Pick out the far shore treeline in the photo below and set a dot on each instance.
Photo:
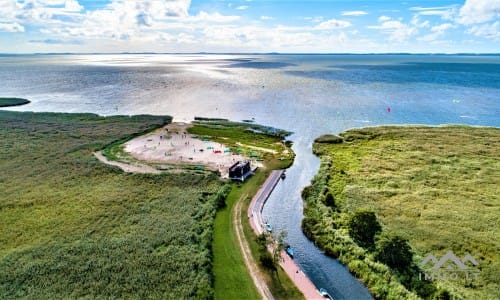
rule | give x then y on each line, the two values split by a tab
5	102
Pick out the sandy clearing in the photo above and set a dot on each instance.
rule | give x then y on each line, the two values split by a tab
173	145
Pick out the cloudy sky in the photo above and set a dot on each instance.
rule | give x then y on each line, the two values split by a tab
320	26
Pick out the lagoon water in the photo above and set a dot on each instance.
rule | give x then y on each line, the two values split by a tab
307	94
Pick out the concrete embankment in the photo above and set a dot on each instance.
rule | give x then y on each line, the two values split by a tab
293	271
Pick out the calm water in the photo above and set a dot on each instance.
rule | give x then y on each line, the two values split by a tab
307	94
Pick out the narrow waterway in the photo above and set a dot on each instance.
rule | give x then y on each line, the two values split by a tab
283	210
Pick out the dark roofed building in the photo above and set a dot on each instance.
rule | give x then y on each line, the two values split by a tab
240	171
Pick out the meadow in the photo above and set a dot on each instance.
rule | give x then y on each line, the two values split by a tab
435	187
72	227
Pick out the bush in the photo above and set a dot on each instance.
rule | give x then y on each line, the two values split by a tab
267	260
394	251
330	200
363	226
329	139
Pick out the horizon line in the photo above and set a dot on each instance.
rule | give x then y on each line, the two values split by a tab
255	53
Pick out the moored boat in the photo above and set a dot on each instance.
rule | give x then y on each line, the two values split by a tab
289	250
269	228
325	293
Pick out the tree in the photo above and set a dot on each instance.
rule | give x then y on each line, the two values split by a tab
394	251
363	226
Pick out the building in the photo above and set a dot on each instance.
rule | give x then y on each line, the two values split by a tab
240	171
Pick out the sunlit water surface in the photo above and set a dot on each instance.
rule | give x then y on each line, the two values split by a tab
307	94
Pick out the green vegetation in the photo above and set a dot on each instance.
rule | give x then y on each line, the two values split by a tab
433	190
362	227
4	102
256	141
72	227
232	280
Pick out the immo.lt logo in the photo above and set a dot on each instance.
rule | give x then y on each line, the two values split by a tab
449	267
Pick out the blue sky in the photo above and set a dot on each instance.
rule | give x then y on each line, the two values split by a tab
325	26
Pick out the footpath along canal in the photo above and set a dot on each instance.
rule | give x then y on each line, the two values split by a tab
300	279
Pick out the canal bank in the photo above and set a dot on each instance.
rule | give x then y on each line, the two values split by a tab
283	209
293	271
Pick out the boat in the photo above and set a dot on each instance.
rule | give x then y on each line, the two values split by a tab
325	293
283	175
268	227
289	250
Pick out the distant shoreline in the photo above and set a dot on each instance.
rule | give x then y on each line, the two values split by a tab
7	102
246	53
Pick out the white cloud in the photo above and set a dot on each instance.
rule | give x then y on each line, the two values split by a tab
333	24
442	27
266	18
214	17
383	18
415	21
489	31
11	27
397	31
478	11
445	12
242	7
436	32
354	13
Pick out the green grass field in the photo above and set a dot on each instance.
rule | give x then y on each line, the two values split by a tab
71	227
436	186
4	102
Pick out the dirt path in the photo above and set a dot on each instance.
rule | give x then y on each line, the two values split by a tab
144	169
247	255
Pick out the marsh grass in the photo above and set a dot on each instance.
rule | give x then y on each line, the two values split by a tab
436	186
72	227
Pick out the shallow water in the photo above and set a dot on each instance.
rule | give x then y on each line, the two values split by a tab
307	94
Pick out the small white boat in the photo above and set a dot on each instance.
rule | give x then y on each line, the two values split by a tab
269	228
323	292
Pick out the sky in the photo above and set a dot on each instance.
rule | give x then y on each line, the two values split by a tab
249	26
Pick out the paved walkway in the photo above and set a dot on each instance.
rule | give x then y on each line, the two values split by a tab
250	263
293	271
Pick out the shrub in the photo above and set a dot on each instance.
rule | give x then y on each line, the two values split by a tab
267	261
394	251
363	226
329	139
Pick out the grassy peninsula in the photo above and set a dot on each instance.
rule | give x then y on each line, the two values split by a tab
423	189
5	102
73	227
